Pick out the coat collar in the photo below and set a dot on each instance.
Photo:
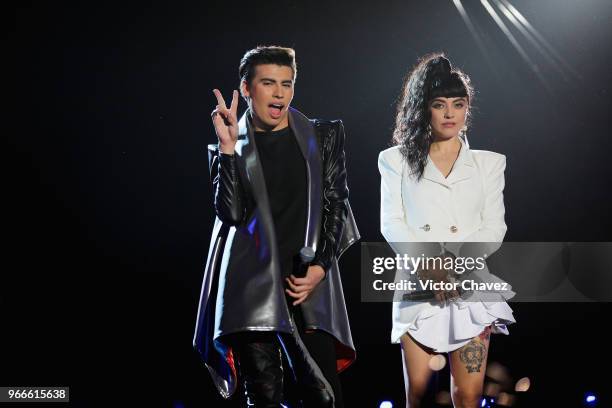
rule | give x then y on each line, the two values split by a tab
462	169
304	133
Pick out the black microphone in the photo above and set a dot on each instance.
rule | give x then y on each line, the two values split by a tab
307	254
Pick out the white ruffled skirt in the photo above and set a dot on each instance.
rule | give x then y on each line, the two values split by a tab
445	327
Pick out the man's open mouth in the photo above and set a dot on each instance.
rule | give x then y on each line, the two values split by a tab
275	109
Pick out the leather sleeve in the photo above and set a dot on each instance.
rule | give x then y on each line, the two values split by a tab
335	192
229	197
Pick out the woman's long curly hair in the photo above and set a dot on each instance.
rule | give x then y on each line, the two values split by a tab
432	77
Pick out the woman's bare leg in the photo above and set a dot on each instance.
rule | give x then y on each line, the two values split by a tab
417	372
468	365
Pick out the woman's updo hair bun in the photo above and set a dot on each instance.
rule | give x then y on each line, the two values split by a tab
440	67
441	80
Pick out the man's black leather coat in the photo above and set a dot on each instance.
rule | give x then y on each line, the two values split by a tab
243	289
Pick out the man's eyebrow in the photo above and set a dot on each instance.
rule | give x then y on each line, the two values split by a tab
274	80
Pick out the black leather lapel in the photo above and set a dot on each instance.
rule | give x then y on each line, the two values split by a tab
304	132
255	184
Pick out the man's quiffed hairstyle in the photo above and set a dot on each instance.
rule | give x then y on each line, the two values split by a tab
266	55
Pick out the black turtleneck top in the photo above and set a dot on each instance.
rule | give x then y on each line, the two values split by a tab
284	170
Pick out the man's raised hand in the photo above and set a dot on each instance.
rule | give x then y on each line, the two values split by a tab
226	122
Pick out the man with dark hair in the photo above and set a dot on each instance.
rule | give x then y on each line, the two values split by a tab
272	284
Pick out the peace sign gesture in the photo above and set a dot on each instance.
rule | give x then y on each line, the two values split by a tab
226	122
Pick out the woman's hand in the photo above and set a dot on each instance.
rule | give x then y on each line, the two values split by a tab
301	288
439	275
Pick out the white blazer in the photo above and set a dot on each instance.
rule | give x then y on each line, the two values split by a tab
467	206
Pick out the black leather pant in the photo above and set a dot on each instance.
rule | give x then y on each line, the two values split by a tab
261	367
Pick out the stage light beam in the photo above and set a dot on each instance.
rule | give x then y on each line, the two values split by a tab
539	37
517	46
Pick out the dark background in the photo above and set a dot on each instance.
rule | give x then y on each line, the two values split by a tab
109	210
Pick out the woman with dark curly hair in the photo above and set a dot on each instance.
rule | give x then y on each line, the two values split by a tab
436	189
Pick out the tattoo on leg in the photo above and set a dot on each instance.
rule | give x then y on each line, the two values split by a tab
473	355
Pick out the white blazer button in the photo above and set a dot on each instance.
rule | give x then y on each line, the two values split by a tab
453	229
426	227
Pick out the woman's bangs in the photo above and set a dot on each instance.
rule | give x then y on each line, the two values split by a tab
451	87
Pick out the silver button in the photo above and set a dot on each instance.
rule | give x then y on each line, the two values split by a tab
453	229
426	227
